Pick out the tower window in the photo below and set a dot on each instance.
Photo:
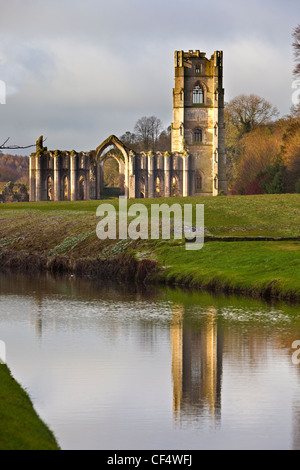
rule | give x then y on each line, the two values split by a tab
198	180
198	94
197	68
197	135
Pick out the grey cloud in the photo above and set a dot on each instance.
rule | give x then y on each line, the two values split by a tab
82	70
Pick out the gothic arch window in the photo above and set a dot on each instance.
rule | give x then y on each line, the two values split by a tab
198	94
216	182
49	189
81	192
199	180
158	187
142	188
66	188
175	186
198	135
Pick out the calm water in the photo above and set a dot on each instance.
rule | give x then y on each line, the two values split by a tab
118	368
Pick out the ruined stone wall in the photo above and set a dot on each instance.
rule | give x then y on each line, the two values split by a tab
62	175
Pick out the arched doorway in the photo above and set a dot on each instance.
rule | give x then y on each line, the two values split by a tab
112	171
118	152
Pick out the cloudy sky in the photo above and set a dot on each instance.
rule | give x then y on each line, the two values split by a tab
77	71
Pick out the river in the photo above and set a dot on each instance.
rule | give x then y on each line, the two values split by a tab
117	367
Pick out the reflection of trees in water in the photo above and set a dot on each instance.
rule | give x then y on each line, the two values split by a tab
196	366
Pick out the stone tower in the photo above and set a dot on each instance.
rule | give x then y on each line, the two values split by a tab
198	119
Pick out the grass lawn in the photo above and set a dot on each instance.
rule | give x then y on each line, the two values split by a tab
260	215
20	426
67	229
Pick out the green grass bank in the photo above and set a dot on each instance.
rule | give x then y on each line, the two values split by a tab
61	237
20	426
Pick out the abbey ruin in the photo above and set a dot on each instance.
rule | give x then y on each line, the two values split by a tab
195	164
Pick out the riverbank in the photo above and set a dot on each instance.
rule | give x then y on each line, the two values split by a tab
20	426
61	237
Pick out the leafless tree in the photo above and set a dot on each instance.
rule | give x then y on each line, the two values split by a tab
148	130
14	147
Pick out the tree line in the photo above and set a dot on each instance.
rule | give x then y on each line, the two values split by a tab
263	153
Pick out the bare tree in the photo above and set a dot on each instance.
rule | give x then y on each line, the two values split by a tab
148	130
14	147
296	46
129	139
245	112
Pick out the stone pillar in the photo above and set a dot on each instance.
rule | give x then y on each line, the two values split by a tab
87	186
185	187
151	182
127	178
73	191
98	180
31	178
130	171
38	179
57	180
167	171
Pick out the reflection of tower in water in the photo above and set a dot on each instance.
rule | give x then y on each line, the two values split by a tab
36	316
196	366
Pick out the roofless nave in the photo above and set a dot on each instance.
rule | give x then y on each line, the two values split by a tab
196	164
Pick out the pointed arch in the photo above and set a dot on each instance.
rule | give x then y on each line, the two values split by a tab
175	189
197	135
81	188
198	93
123	162
112	140
49	188
66	188
199	180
